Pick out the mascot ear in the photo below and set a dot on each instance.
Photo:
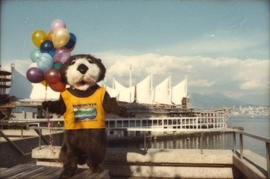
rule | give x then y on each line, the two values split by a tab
63	72
102	70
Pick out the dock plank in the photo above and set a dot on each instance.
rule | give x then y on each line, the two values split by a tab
87	174
13	171
48	173
32	171
22	173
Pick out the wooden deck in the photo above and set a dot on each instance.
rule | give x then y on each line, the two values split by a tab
28	171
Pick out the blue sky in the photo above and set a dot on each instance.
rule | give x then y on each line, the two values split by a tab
229	33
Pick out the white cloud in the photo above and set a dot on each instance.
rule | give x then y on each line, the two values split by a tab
201	83
249	85
229	76
204	72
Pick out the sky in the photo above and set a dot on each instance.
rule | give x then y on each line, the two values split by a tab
220	46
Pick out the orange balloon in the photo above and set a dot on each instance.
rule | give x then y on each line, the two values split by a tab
49	36
38	37
72	48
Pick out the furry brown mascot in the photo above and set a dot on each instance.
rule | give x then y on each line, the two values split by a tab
84	105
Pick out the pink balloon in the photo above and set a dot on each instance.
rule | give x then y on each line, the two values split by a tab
56	24
61	55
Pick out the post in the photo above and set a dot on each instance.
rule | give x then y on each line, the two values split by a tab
201	143
268	159
241	145
234	142
21	131
144	141
39	139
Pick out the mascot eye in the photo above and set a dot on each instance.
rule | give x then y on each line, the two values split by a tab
72	62
90	61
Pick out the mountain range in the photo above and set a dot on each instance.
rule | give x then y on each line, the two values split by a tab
215	100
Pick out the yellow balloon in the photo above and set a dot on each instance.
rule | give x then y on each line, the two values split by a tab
44	83
60	37
38	37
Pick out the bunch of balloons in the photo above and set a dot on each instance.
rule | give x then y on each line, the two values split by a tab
53	50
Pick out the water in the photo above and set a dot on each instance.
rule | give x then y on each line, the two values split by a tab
258	126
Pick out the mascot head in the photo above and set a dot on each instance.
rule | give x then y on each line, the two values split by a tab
82	71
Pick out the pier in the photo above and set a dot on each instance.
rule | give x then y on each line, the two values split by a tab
163	162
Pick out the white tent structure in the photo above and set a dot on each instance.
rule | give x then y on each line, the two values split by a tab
162	94
112	92
144	91
39	93
124	94
179	91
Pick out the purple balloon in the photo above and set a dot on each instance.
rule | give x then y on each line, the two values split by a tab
61	55
56	24
35	75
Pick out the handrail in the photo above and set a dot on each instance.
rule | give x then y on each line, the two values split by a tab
267	146
14	145
254	136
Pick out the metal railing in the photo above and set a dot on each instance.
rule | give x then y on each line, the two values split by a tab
148	138
241	146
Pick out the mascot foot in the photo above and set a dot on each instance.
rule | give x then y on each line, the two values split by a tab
66	174
97	169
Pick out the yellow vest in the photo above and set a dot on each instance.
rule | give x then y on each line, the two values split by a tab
84	113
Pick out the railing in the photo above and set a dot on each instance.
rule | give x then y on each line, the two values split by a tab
241	146
147	138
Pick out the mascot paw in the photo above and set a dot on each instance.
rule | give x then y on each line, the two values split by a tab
46	104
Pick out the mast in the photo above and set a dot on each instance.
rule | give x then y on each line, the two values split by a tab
130	82
170	89
130	76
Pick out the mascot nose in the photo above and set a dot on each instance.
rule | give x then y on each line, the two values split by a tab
82	68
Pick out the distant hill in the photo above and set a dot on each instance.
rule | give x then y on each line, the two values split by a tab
213	101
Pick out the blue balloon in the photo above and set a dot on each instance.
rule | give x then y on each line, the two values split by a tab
71	42
46	46
51	52
35	54
44	62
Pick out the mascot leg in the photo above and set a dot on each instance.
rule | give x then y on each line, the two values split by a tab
69	158
97	150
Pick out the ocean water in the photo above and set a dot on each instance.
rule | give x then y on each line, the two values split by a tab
259	126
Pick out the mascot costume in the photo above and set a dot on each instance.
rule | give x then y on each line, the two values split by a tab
84	106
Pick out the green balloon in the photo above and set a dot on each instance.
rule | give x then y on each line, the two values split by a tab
57	66
35	54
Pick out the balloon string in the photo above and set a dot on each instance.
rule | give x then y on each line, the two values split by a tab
49	124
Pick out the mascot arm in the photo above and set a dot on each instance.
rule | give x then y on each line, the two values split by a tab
110	105
57	107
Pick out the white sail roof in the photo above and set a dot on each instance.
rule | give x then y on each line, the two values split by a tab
112	92
144	91
163	92
39	92
179	91
124	94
